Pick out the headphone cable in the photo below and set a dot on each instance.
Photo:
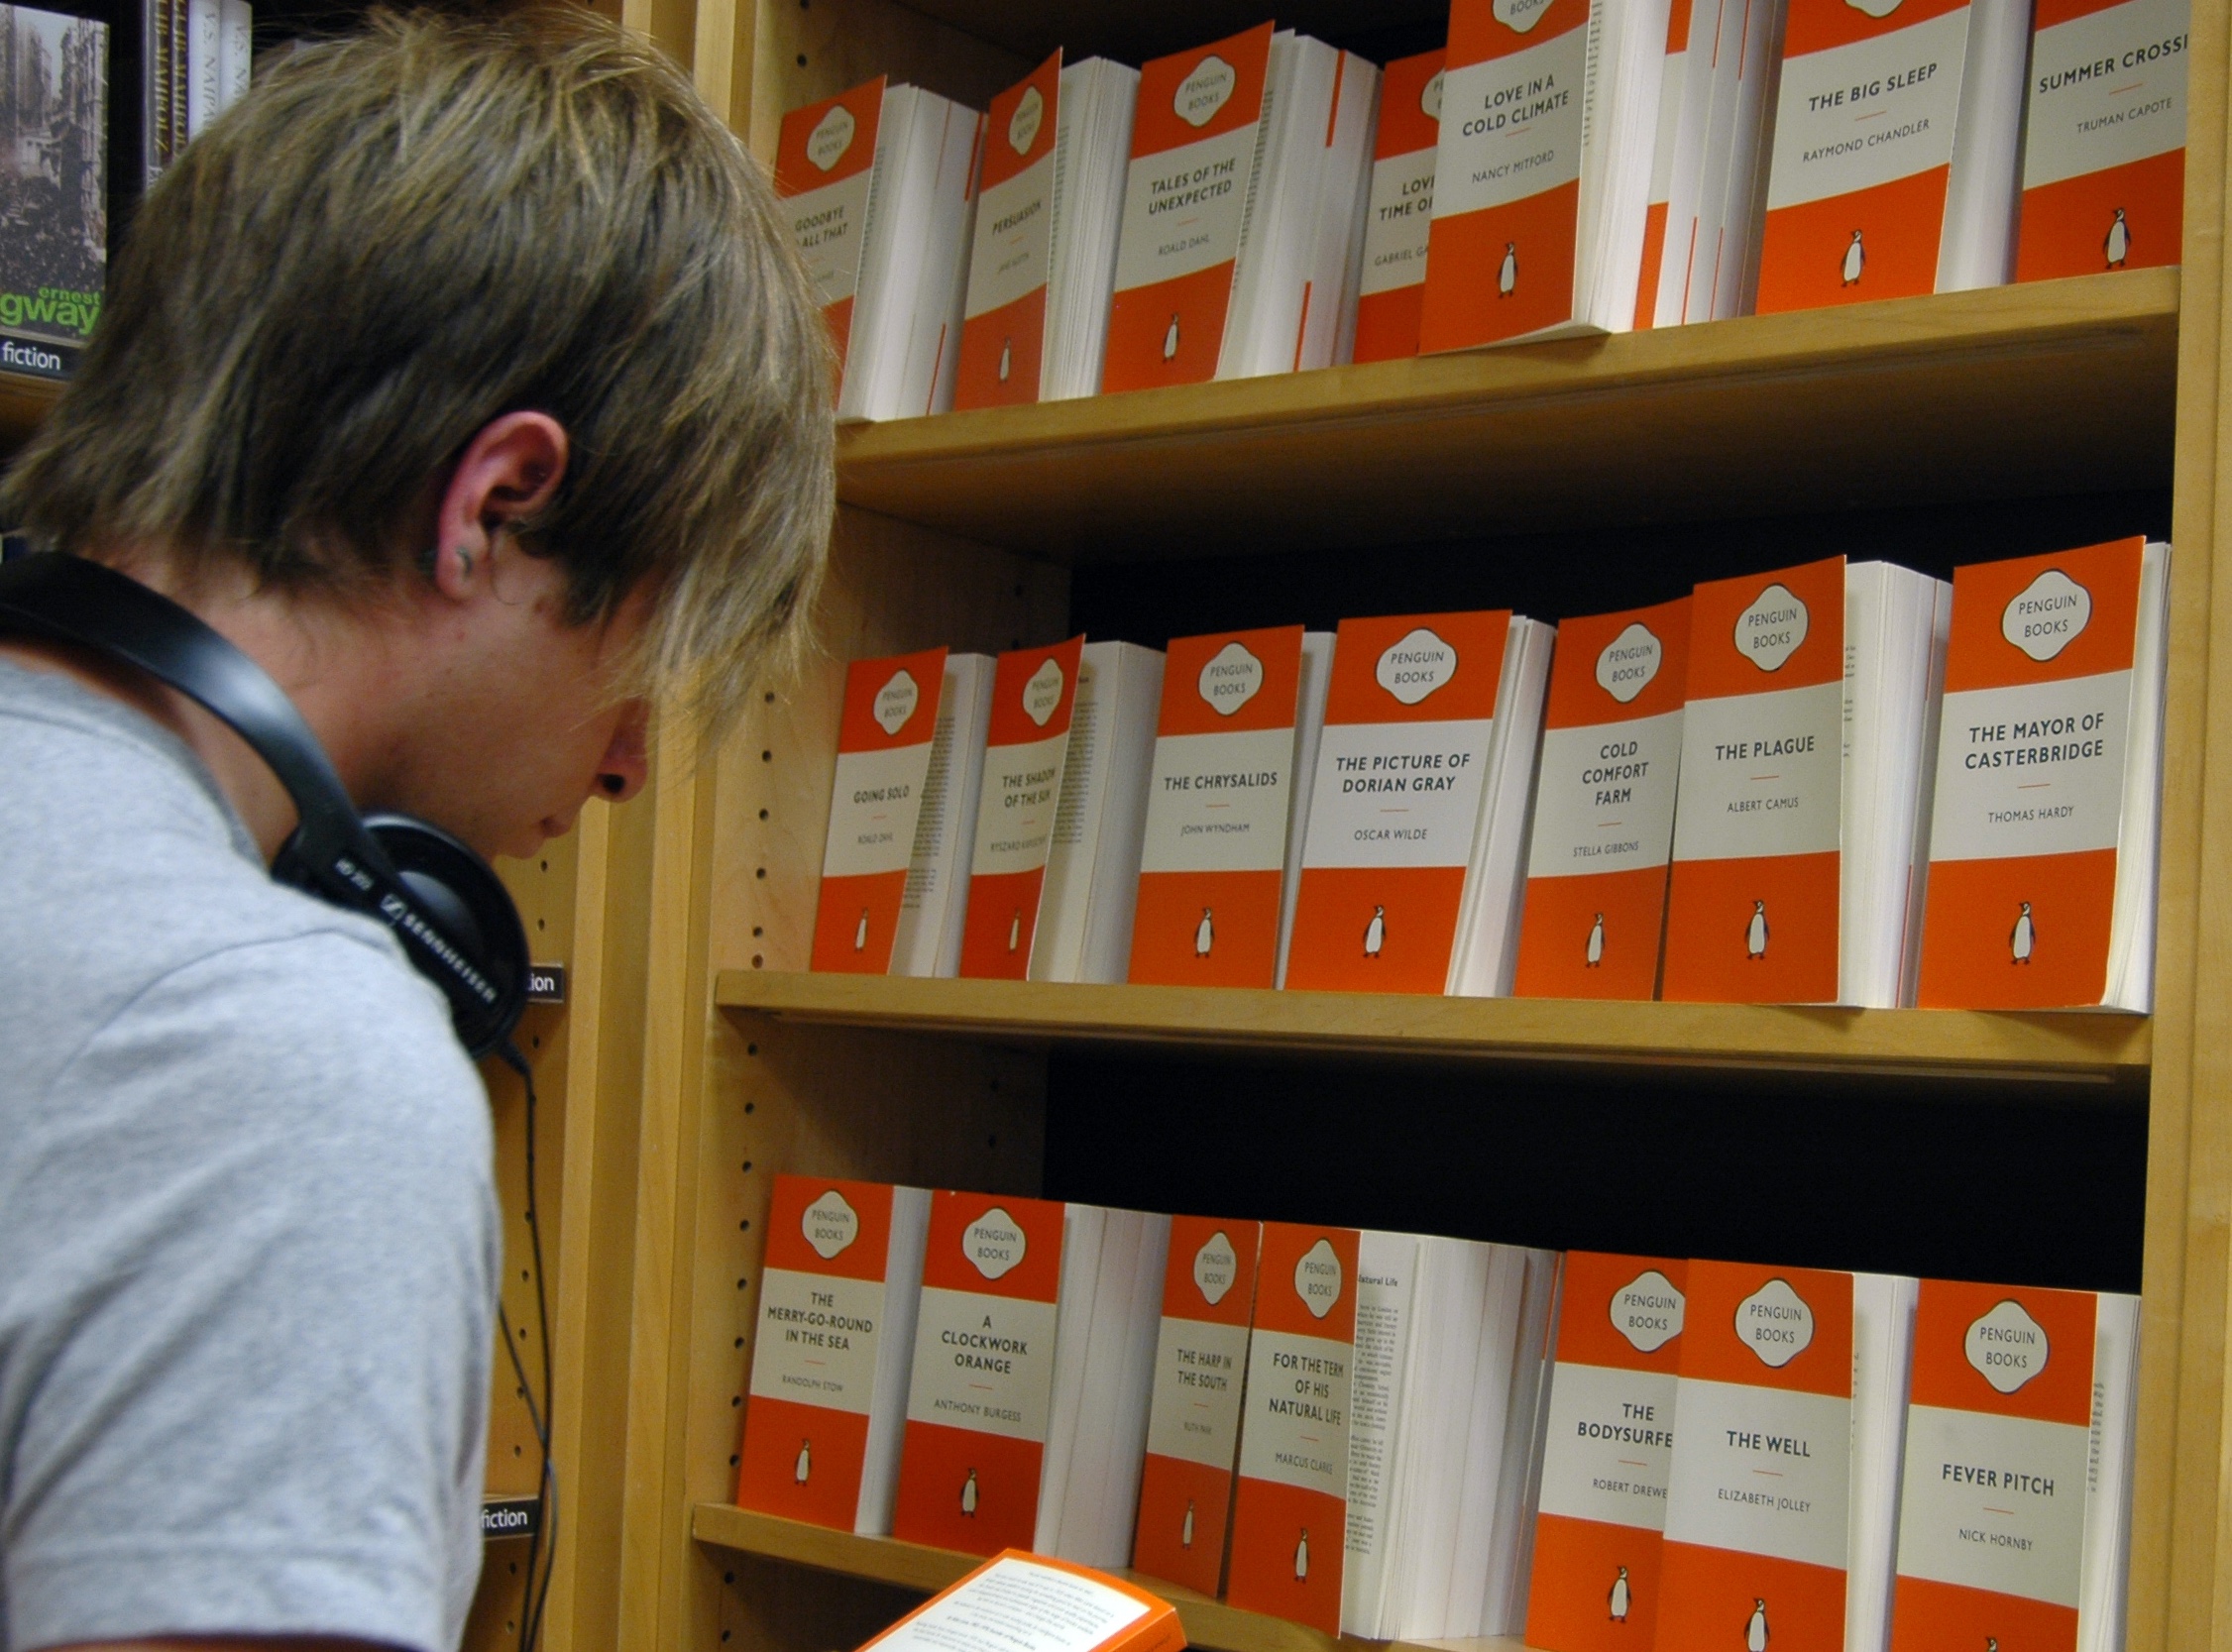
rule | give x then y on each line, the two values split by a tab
543	1545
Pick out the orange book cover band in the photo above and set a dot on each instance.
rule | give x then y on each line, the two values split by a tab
1021	1599
1402	207
826	151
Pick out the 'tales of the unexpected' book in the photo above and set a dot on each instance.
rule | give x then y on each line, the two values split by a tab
1027	743
1217	811
1194	1428
1289	1518
829	1362
1603	805
1608	1450
884	739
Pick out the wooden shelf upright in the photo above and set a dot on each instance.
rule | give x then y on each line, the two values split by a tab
722	1064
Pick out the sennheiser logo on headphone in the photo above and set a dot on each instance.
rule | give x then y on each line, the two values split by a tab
397	911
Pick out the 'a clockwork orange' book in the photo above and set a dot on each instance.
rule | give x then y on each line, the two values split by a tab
2104	138
884	737
830	1361
2000	1466
981	1394
1863	151
1017	1600
1027	742
1218	807
1193	1426
1401	765
1194	154
1603	805
1400	208
1753	900
1606	1453
2042	838
1290	1516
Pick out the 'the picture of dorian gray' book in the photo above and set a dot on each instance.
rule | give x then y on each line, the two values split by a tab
54	202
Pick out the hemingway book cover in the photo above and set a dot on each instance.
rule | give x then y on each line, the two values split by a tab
53	188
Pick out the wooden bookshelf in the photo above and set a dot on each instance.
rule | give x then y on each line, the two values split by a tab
2056	387
23	401
1210	1625
2074	1048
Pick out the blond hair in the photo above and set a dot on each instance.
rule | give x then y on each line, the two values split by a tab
401	235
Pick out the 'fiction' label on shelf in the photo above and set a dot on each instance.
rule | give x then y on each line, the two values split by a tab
884	740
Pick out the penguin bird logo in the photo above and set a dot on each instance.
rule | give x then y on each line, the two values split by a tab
1618	1600
1755	1627
1185	1531
1007	357
1855	260
860	932
1755	931
2023	936
1594	956
2117	245
1376	933
969	1496
805	1469
1507	273
1204	934
1171	338
1015	930
1301	1556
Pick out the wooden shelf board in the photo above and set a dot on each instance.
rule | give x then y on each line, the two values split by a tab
2066	1047
2045	389
23	401
1208	1624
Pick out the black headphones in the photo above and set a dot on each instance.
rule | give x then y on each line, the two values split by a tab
446	905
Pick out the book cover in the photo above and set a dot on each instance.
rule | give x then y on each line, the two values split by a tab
1027	742
825	162
1004	326
1217	808
1193	1427
2104	138
1863	144
1664	148
1399	210
53	188
1400	766
983	1387
1756	1506
1606	1453
1753	900
1603	805
823	1318
1185	199
2029	806
884	737
1992	1518
1501	260
1290	1510
1024	1600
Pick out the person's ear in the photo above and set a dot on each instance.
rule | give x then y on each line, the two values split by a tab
508	472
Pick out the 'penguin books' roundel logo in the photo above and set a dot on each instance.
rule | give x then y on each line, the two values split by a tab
830	137
1429	98
1775	1323
993	1243
1629	663
2007	1347
1874	8
1215	1266
2046	616
1416	666
1769	631
1206	90
1648	1312
1231	678
1043	692
1317	1280
830	1224
1519	16
896	701
1022	125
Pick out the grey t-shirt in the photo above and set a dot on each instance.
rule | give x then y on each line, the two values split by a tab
249	1239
